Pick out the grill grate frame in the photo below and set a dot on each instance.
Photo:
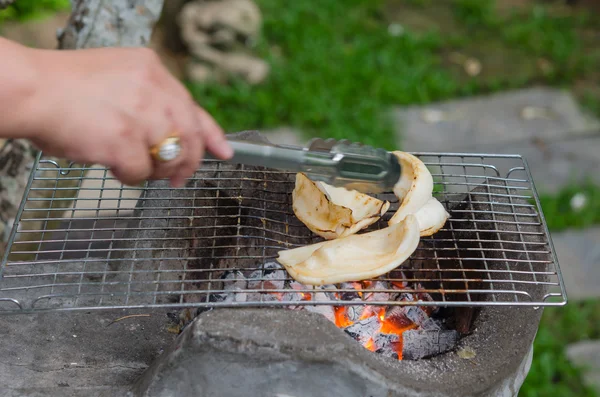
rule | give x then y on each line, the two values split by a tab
495	250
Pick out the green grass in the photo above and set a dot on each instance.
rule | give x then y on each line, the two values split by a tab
24	10
561	215
336	69
551	374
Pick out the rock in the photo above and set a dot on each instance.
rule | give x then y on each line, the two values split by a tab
5	3
271	352
586	354
559	141
100	190
219	36
579	258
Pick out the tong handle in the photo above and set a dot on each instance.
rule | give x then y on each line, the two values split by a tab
338	163
278	157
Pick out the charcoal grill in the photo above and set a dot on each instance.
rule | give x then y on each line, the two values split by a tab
177	246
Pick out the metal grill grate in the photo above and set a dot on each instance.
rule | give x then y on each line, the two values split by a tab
195	246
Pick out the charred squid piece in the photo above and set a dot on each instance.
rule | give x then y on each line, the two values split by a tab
333	212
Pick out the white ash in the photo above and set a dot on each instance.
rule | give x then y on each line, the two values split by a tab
418	344
272	277
416	314
234	285
326	310
430	337
431	324
353	294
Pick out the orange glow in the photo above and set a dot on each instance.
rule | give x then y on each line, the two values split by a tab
399	284
396	324
341	320
370	344
305	296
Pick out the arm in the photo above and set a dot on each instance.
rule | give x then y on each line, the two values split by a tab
18	82
106	106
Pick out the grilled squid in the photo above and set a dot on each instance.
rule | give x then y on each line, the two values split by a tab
415	192
355	257
333	212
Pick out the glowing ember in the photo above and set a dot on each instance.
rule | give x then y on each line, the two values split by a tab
377	328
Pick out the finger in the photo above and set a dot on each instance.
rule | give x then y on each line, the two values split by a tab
195	146
180	117
215	140
134	166
214	137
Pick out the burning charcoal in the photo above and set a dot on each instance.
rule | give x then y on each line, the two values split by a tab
354	313
265	297
267	269
398	279
350	295
378	296
396	319
406	296
291	296
234	285
272	278
419	344
388	352
325	310
425	297
301	287
385	341
233	280
330	291
363	330
416	314
431	325
297	294
236	297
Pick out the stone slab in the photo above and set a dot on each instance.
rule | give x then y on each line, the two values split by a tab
560	145
586	354
100	191
262	352
78	353
578	253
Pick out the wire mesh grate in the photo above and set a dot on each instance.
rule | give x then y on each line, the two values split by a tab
84	241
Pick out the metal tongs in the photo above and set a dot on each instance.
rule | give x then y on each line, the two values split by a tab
339	163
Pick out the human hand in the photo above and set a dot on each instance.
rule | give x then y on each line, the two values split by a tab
109	106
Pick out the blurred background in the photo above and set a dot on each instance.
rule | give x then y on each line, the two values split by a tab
512	76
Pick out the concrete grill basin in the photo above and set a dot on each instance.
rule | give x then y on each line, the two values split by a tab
457	319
